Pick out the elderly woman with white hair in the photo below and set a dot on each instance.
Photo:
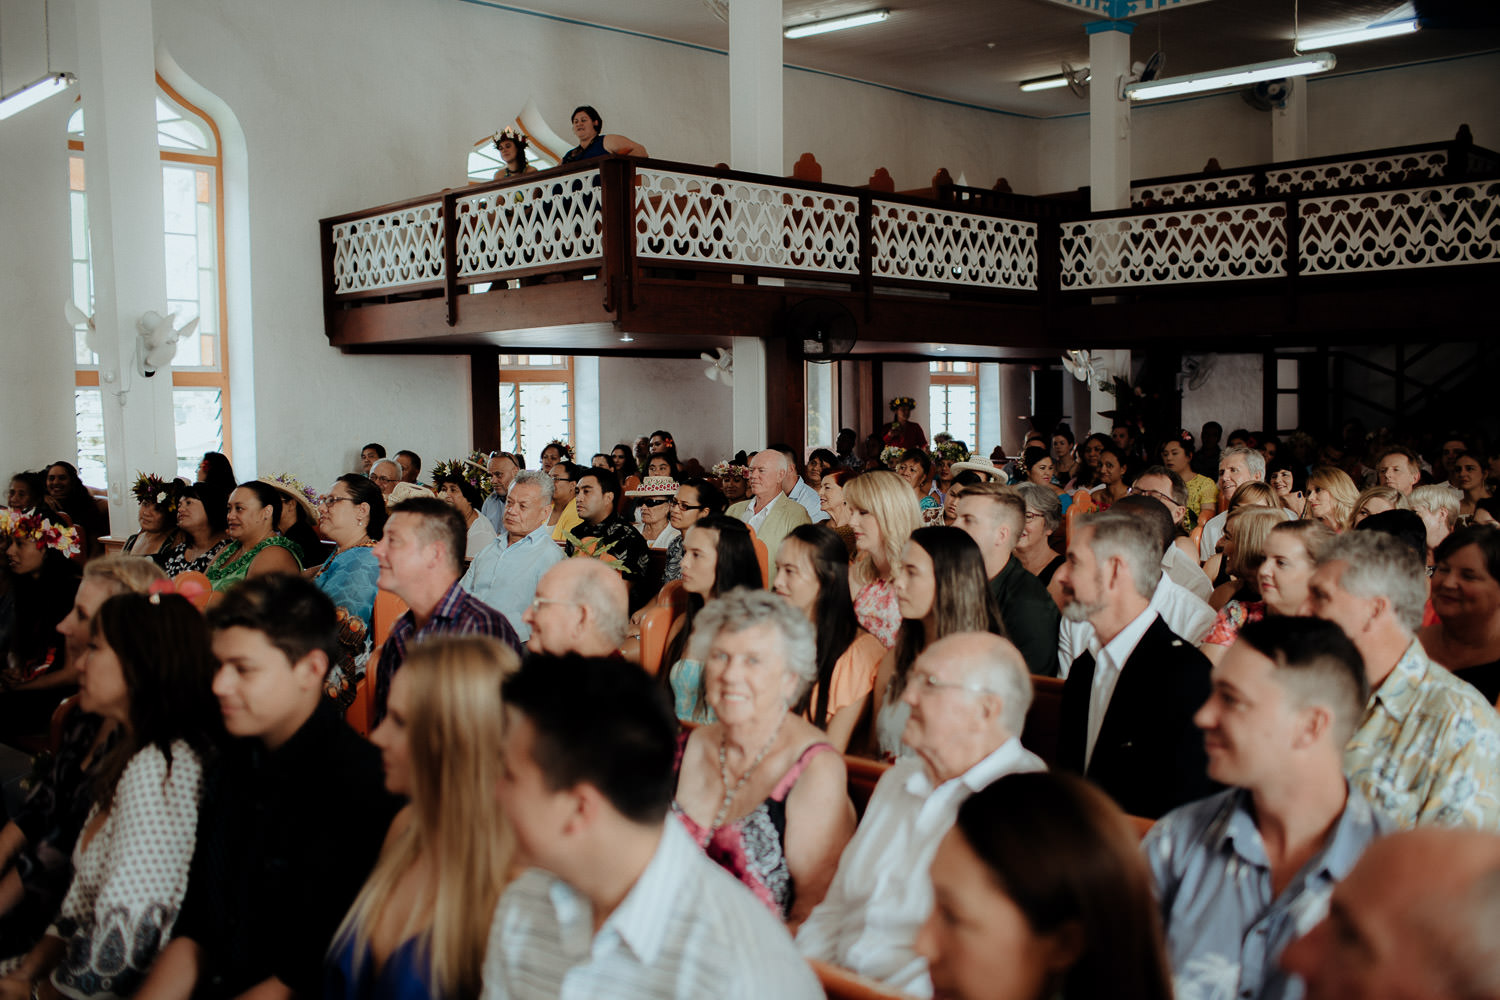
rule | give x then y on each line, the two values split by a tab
761	789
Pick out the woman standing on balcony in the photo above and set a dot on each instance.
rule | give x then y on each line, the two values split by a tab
592	142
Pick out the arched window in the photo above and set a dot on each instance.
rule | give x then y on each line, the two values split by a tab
193	232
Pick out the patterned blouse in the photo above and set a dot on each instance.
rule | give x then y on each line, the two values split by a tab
349	579
233	564
1232	617
130	877
752	848
876	610
1428	750
1202	494
174	559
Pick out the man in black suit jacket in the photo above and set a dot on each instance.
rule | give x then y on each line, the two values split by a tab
1128	701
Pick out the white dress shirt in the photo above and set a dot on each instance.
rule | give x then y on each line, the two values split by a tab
1185	613
757	518
1213	530
1109	660
687	929
882	894
810	501
1186	573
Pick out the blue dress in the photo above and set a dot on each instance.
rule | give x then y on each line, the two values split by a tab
403	977
349	579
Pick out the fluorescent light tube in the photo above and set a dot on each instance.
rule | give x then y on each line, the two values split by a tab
836	23
1045	83
35	93
1234	76
1366	34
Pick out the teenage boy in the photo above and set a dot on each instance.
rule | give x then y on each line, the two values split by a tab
294	815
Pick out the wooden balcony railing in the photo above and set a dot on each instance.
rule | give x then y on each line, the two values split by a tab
635	221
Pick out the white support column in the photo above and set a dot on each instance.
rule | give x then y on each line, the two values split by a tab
1109	116
117	79
749	427
755	145
1289	123
755	86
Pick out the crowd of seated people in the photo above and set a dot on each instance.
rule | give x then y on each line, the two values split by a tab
1278	671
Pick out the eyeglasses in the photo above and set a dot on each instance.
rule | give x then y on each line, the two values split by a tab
1157	494
537	603
655	503
560	479
382	479
1032	515
687	506
329	501
925	682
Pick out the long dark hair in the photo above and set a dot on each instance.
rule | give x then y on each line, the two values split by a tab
1063	853
166	656
735	565
219	473
961	598
833	611
628	467
78	503
215	503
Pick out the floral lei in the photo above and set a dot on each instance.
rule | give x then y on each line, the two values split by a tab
153	489
472	470
950	451
722	470
36	528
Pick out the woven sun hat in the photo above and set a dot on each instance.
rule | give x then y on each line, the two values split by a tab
983	466
405	491
289	486
655	488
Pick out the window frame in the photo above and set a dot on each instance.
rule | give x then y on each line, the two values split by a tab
519	374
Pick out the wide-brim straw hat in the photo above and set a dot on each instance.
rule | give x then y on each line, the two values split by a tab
405	491
295	494
983	466
655	487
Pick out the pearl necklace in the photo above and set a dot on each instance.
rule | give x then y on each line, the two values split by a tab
730	793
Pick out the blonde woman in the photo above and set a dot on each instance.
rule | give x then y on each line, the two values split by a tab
883	513
419	927
1376	500
1331	496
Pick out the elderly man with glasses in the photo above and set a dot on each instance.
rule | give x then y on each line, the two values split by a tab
968	694
385	474
506	573
581	606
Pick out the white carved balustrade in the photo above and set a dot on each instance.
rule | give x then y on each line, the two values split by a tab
1193	190
704	219
547	220
401	247
923	243
1410	167
1232	243
1395	230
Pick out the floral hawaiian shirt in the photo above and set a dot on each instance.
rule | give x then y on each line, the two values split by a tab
1428	750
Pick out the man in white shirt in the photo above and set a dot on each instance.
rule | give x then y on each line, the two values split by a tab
1161	483
506	572
1185	613
770	513
621	901
1130	695
793	486
968	695
1237	466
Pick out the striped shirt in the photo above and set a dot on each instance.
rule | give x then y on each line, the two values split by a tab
687	929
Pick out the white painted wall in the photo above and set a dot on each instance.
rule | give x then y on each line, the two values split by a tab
638	396
1232	396
36	377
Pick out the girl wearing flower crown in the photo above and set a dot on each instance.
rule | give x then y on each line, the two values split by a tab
157	514
510	143
902	432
